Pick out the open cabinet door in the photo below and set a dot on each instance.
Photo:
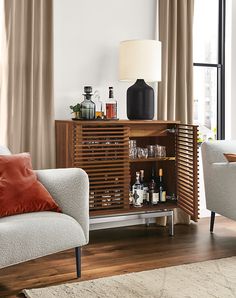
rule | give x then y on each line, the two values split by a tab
187	169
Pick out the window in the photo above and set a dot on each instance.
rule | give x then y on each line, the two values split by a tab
209	68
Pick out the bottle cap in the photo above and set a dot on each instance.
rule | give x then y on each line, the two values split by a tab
160	172
88	89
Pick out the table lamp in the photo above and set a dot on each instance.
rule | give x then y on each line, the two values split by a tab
140	60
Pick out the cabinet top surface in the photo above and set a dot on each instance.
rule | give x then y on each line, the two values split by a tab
127	122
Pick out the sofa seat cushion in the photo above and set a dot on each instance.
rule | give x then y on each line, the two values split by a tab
32	235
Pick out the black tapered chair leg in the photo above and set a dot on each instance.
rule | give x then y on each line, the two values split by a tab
78	261
212	221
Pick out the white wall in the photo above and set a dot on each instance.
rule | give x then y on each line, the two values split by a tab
86	40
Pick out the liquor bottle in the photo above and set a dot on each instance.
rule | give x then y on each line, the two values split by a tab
144	187
87	106
161	189
153	193
151	189
137	191
98	105
111	105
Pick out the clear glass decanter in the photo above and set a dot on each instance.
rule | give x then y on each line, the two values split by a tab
87	106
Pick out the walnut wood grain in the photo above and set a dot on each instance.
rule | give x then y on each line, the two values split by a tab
187	169
101	148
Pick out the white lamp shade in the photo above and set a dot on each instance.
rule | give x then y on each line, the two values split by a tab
140	59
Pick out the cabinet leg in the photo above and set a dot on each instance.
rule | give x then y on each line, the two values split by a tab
147	222
171	223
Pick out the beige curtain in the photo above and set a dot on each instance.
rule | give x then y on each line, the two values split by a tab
175	91
27	80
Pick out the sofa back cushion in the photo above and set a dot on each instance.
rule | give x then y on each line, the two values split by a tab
20	190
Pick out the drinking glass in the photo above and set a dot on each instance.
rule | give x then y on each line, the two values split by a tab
160	151
142	152
139	152
145	152
151	150
133	153
132	149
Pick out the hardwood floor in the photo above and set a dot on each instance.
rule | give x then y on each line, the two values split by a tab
122	250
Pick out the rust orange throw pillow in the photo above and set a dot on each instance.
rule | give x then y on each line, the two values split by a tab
231	157
20	191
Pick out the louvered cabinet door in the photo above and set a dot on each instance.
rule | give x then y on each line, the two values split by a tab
103	152
187	169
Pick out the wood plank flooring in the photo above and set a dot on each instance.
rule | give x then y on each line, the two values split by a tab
122	250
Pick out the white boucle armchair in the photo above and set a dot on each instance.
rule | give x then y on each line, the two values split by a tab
32	235
219	179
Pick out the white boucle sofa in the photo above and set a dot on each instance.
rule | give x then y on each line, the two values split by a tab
219	179
32	235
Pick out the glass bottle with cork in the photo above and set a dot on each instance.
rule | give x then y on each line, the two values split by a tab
144	187
87	106
137	192
153	192
111	105
161	188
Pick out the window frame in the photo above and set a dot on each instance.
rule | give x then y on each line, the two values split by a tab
220	123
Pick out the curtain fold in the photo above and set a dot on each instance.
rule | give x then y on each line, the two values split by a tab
27	80
175	91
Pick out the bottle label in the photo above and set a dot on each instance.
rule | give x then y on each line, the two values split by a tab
155	198
162	196
138	197
111	110
145	194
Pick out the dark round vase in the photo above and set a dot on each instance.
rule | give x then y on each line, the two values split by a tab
140	101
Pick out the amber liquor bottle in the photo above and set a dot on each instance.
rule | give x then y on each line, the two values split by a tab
111	105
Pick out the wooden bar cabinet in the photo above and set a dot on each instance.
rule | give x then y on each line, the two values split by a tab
101	148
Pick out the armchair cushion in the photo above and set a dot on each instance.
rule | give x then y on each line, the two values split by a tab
20	191
31	235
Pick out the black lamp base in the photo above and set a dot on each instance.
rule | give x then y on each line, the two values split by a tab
140	101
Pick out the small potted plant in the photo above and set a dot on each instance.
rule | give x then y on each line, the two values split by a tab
75	111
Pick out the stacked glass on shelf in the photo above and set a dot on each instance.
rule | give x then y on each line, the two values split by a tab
150	151
94	109
152	193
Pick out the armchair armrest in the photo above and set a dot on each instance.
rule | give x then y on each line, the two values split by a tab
70	189
220	188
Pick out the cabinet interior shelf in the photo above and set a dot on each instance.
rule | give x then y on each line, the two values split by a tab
149	159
